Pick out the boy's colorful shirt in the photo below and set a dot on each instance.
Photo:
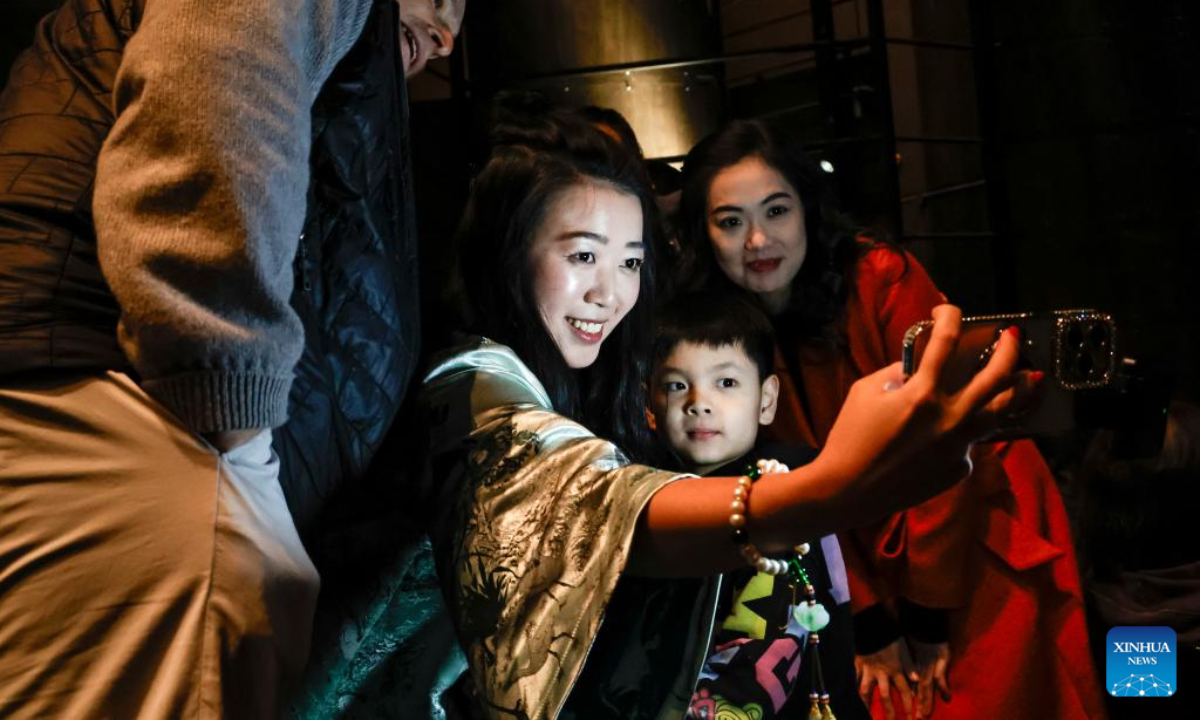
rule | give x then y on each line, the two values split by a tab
757	664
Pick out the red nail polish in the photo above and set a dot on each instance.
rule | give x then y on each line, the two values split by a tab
1014	331
1037	376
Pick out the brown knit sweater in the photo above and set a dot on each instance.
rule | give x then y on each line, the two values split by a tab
200	197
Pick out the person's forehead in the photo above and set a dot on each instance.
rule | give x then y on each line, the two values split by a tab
694	355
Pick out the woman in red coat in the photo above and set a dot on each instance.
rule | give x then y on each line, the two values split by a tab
973	596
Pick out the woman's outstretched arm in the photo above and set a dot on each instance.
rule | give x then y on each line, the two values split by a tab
893	445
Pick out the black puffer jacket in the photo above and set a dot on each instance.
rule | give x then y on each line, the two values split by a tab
356	276
356	270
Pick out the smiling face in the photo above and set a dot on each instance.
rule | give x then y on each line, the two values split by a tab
427	31
708	403
756	225
586	258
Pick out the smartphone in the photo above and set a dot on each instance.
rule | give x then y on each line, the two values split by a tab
1076	349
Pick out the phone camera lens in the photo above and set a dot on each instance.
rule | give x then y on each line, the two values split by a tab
1075	336
1098	335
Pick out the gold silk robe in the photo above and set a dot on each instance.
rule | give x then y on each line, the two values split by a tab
532	519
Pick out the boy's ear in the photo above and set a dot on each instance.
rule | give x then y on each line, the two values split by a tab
769	401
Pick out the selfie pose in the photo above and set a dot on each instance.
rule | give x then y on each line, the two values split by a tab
536	509
971	601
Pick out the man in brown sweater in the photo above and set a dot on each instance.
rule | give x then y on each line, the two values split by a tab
153	173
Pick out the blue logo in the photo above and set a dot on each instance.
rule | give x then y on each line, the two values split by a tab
1140	662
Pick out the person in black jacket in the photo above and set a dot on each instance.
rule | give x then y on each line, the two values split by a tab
154	159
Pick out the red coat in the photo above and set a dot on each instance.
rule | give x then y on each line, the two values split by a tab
995	550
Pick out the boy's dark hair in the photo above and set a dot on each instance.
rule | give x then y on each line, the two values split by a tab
715	319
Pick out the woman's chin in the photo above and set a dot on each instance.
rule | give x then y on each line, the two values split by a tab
582	364
764	285
579	358
758	283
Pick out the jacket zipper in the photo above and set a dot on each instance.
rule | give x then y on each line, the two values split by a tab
302	251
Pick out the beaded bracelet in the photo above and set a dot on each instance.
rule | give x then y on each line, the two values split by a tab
808	613
737	520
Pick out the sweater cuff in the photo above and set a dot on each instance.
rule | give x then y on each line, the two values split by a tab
929	625
216	401
874	629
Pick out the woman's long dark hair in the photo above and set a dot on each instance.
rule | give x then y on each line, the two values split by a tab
535	157
819	289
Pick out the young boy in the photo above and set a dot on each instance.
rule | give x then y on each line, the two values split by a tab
713	386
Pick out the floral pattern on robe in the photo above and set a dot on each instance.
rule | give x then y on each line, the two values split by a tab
528	519
535	519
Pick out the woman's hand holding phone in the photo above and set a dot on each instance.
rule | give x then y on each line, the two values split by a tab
897	443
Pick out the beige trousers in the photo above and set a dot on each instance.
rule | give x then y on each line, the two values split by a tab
142	573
